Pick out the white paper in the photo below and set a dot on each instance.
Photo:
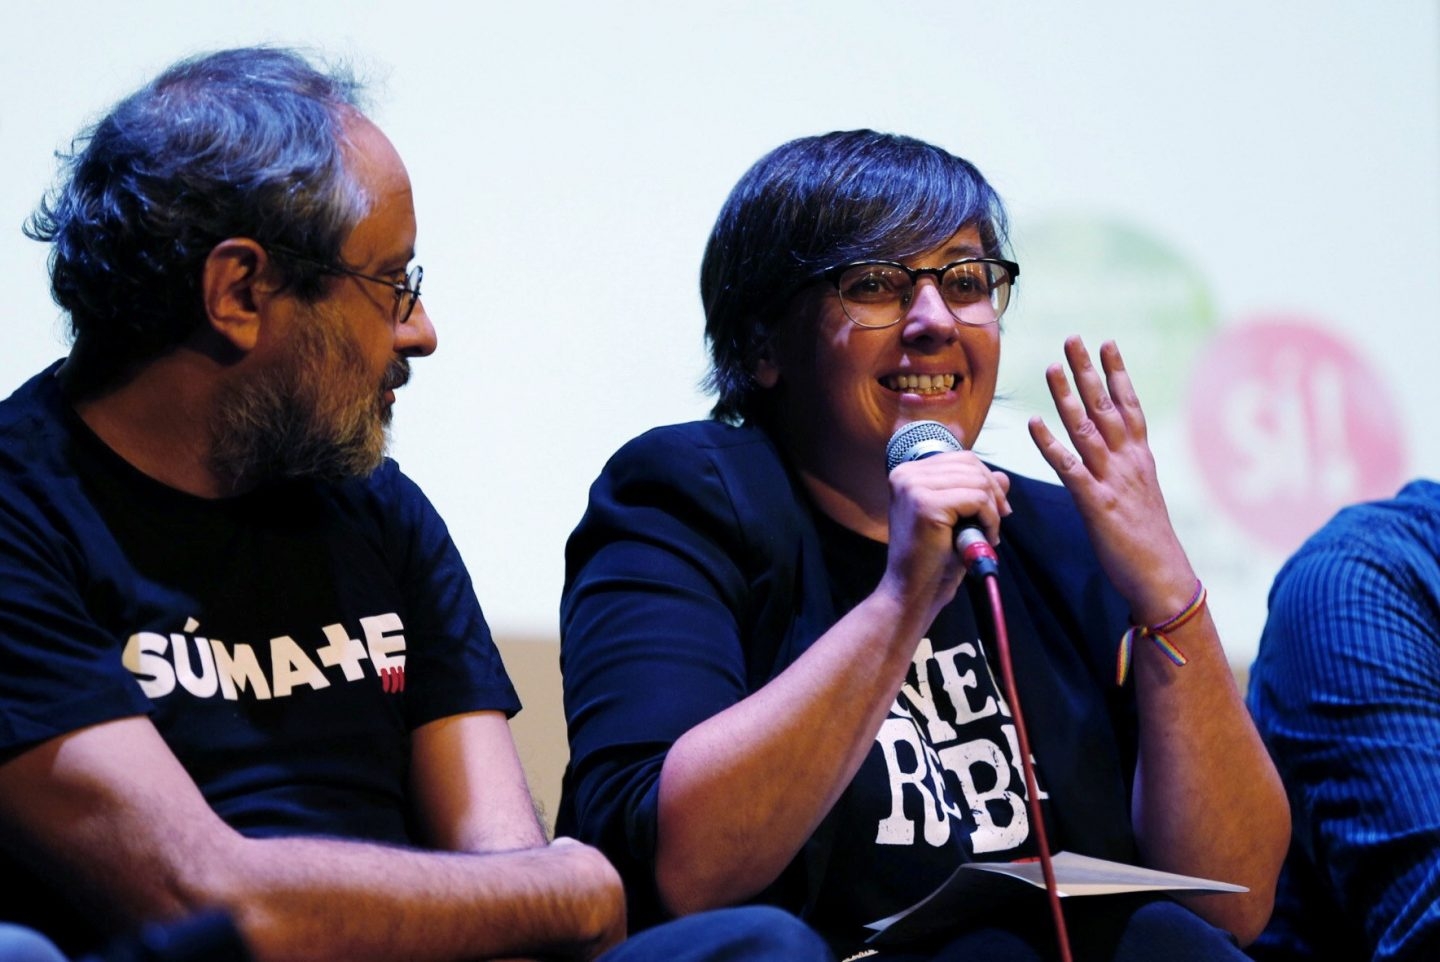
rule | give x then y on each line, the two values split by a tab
1083	875
977	888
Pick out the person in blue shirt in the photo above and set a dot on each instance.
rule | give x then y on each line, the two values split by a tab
1344	691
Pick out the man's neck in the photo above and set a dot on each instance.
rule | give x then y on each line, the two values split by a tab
159	422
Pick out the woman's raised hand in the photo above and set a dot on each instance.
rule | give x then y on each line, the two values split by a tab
1111	475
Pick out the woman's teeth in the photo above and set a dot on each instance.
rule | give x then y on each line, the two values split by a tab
920	383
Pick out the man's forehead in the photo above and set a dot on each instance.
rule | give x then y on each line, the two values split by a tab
385	237
372	157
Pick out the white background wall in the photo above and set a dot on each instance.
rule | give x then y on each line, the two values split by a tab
1180	176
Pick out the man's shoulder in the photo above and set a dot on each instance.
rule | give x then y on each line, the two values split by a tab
1385	549
1407	524
34	404
1414	512
385	481
34	426
386	495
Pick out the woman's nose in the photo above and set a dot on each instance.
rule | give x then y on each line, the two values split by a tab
928	317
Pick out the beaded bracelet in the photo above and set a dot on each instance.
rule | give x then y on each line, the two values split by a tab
1156	633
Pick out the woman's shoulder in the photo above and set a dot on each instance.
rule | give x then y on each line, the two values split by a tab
698	483
696	436
1044	527
681	451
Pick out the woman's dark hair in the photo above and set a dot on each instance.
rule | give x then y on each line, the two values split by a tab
239	143
809	205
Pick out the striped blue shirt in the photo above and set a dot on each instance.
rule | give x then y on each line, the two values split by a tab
1346	692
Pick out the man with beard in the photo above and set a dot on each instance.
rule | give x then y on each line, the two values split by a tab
242	666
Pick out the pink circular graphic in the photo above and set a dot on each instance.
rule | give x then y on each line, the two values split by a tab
1289	424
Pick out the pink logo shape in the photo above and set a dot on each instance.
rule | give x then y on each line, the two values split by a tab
1289	424
392	680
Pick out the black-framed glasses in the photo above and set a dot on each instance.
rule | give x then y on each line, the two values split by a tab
407	292
878	293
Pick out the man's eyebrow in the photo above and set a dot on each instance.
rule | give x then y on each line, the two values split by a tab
399	262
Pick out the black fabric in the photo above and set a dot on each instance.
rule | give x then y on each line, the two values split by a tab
946	765
698	573
285	643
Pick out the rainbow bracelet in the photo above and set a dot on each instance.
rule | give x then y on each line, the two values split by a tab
1156	633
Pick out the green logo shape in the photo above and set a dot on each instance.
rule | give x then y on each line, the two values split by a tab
1103	279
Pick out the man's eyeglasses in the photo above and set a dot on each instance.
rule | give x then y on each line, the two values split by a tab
878	293
407	292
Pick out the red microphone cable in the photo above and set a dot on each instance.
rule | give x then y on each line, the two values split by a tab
1027	767
914	442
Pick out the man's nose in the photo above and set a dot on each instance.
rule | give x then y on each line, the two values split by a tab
416	337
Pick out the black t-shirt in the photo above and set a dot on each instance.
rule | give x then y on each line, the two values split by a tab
285	642
699	572
943	784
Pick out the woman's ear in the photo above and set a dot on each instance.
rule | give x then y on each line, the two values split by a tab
766	367
767	373
235	287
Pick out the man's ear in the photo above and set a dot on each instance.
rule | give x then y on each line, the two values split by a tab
236	286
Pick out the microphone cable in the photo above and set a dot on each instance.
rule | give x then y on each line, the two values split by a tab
914	442
1027	767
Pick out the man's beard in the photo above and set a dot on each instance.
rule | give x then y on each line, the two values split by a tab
315	415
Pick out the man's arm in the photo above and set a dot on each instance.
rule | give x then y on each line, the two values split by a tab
468	787
109	812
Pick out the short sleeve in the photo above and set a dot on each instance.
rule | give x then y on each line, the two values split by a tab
59	670
453	665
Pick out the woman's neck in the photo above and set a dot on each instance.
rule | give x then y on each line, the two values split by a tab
869	516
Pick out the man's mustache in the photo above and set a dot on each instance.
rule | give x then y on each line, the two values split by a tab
397	375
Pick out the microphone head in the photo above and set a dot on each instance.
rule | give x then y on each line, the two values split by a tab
917	440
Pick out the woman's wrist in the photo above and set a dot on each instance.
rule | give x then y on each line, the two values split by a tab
1158	633
1167	590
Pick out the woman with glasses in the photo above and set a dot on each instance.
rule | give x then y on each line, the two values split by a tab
782	686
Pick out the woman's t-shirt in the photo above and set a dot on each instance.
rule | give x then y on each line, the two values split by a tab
942	784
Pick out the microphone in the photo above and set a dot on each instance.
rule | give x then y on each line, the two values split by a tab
924	439
919	440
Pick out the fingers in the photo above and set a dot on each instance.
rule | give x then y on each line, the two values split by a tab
1003	481
1102	412
1122	391
949	488
928	501
1094	396
1084	430
1058	456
